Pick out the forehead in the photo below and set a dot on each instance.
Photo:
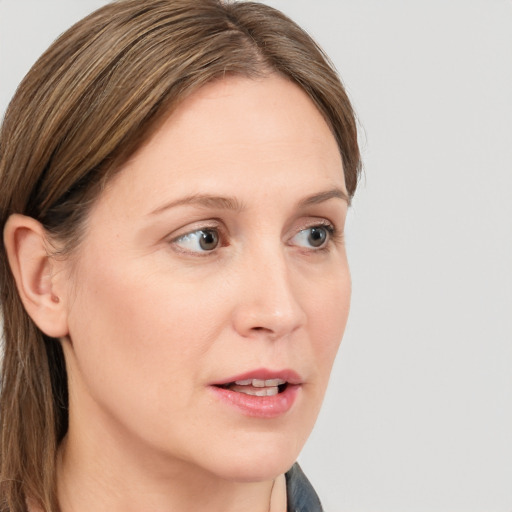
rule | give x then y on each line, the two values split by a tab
237	136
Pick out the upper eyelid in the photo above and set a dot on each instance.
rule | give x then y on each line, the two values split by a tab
201	226
217	225
317	221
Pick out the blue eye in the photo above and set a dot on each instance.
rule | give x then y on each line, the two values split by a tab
202	240
315	236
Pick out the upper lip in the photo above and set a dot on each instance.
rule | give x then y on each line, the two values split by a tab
290	376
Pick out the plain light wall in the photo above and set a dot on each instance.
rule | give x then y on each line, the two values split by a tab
418	416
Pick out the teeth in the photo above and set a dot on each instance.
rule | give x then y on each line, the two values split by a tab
270	391
243	382
274	382
258	383
257	387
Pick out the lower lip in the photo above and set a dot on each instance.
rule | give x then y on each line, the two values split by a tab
259	406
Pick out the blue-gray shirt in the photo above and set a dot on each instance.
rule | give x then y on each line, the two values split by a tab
300	495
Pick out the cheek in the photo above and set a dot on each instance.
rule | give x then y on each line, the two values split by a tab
328	315
114	329
139	344
136	322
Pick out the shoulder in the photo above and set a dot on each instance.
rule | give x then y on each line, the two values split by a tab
301	497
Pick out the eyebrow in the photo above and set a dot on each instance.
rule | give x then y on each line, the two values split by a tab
231	203
325	196
204	200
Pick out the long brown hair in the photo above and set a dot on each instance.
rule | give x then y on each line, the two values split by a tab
85	107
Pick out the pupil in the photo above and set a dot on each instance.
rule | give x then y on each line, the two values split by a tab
317	237
208	240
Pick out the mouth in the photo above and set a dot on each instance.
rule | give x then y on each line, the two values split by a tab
257	387
260	393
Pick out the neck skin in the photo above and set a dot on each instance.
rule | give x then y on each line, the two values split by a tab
101	476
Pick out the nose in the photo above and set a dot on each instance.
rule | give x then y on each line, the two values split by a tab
269	302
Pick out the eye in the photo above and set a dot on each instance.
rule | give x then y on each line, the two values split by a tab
202	240
315	236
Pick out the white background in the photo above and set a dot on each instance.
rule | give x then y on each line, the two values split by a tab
419	413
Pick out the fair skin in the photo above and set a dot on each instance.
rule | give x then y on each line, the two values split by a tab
216	252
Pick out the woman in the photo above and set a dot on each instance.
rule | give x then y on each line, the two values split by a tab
175	180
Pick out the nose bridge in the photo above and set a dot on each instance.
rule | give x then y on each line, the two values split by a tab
269	303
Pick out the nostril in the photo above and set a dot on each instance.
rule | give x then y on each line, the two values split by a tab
265	329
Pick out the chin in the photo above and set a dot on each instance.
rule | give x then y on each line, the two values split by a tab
261	457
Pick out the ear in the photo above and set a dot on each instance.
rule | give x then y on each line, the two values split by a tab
35	272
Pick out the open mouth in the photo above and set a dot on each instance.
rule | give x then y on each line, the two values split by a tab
257	387
261	393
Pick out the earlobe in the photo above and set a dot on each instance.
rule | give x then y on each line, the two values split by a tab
26	243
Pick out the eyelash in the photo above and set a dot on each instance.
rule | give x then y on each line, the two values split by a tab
332	236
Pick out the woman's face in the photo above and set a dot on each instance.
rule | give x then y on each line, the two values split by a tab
215	256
